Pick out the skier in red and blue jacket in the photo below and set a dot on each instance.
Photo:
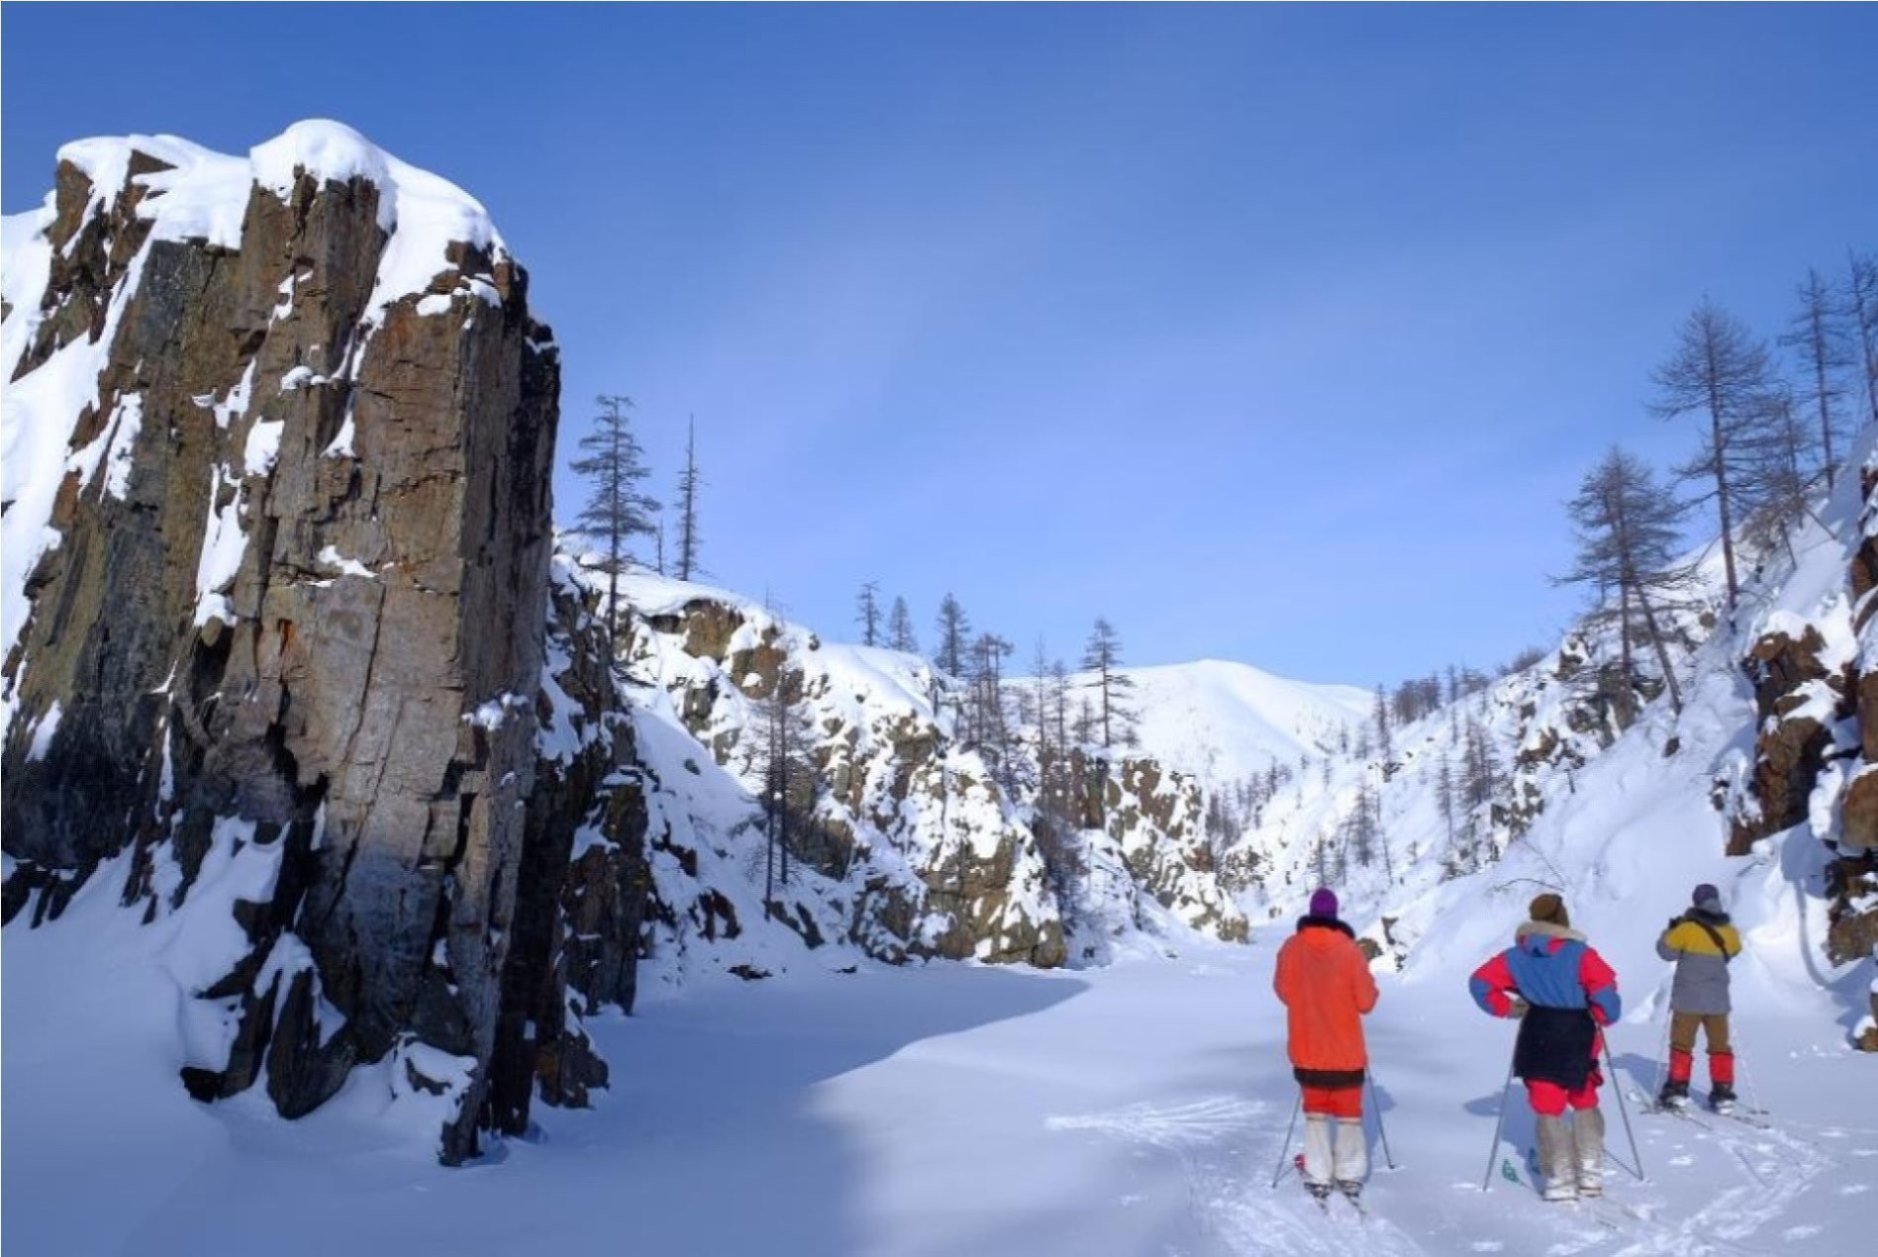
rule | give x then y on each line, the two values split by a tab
1564	994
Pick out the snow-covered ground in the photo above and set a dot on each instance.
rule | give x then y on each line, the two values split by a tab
939	1109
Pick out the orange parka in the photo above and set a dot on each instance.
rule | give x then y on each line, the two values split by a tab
1325	983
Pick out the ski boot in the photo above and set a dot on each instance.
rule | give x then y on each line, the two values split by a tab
1675	1095
1352	1190
1721	1098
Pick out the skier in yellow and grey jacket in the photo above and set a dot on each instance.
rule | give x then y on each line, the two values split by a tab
1702	942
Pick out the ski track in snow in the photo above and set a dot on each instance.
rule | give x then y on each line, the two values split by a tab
1217	1142
1773	1169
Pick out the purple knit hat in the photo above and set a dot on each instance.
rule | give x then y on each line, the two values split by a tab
1705	896
1324	903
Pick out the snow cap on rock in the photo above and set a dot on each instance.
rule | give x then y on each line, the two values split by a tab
1551	908
1324	902
1707	898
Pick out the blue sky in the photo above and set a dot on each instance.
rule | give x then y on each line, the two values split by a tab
1271	334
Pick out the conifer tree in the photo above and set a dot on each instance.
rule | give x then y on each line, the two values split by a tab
867	613
1817	337
689	482
1861	304
954	637
1102	658
1720	372
616	509
900	635
1628	544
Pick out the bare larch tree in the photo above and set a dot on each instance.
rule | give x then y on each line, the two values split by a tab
1102	658
689	482
955	633
900	629
1817	337
867	613
1720	371
1628	527
617	509
1861	303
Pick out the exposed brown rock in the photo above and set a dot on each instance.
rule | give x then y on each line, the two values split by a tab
1791	748
330	710
1859	816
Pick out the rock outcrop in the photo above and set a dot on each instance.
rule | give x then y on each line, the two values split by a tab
893	837
278	529
898	835
1152	817
1801	691
1852	882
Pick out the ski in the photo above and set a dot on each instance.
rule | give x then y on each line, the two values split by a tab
1356	1202
1756	1119
1323	1196
1695	1115
1320	1195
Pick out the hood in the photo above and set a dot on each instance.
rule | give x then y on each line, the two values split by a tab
1311	925
1534	936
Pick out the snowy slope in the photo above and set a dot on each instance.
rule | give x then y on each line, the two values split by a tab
1225	722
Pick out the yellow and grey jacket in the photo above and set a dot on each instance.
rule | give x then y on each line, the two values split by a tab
1701	943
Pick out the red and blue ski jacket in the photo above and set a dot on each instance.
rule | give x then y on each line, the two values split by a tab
1548	966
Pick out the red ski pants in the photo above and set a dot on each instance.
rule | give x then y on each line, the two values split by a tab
1550	1100
1344	1102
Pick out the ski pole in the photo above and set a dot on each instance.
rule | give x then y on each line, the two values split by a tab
1493	1152
1622	1108
1747	1083
1283	1152
1662	1059
1381	1130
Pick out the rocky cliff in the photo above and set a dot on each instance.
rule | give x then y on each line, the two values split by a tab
293	668
279	432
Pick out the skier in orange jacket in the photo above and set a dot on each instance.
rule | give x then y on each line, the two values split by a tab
1325	983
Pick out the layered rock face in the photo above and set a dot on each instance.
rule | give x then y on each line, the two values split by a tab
278	529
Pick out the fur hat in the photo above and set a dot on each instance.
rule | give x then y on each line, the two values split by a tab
1324	903
1551	909
1707	898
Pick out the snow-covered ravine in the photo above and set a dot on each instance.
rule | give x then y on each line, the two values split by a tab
938	1109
